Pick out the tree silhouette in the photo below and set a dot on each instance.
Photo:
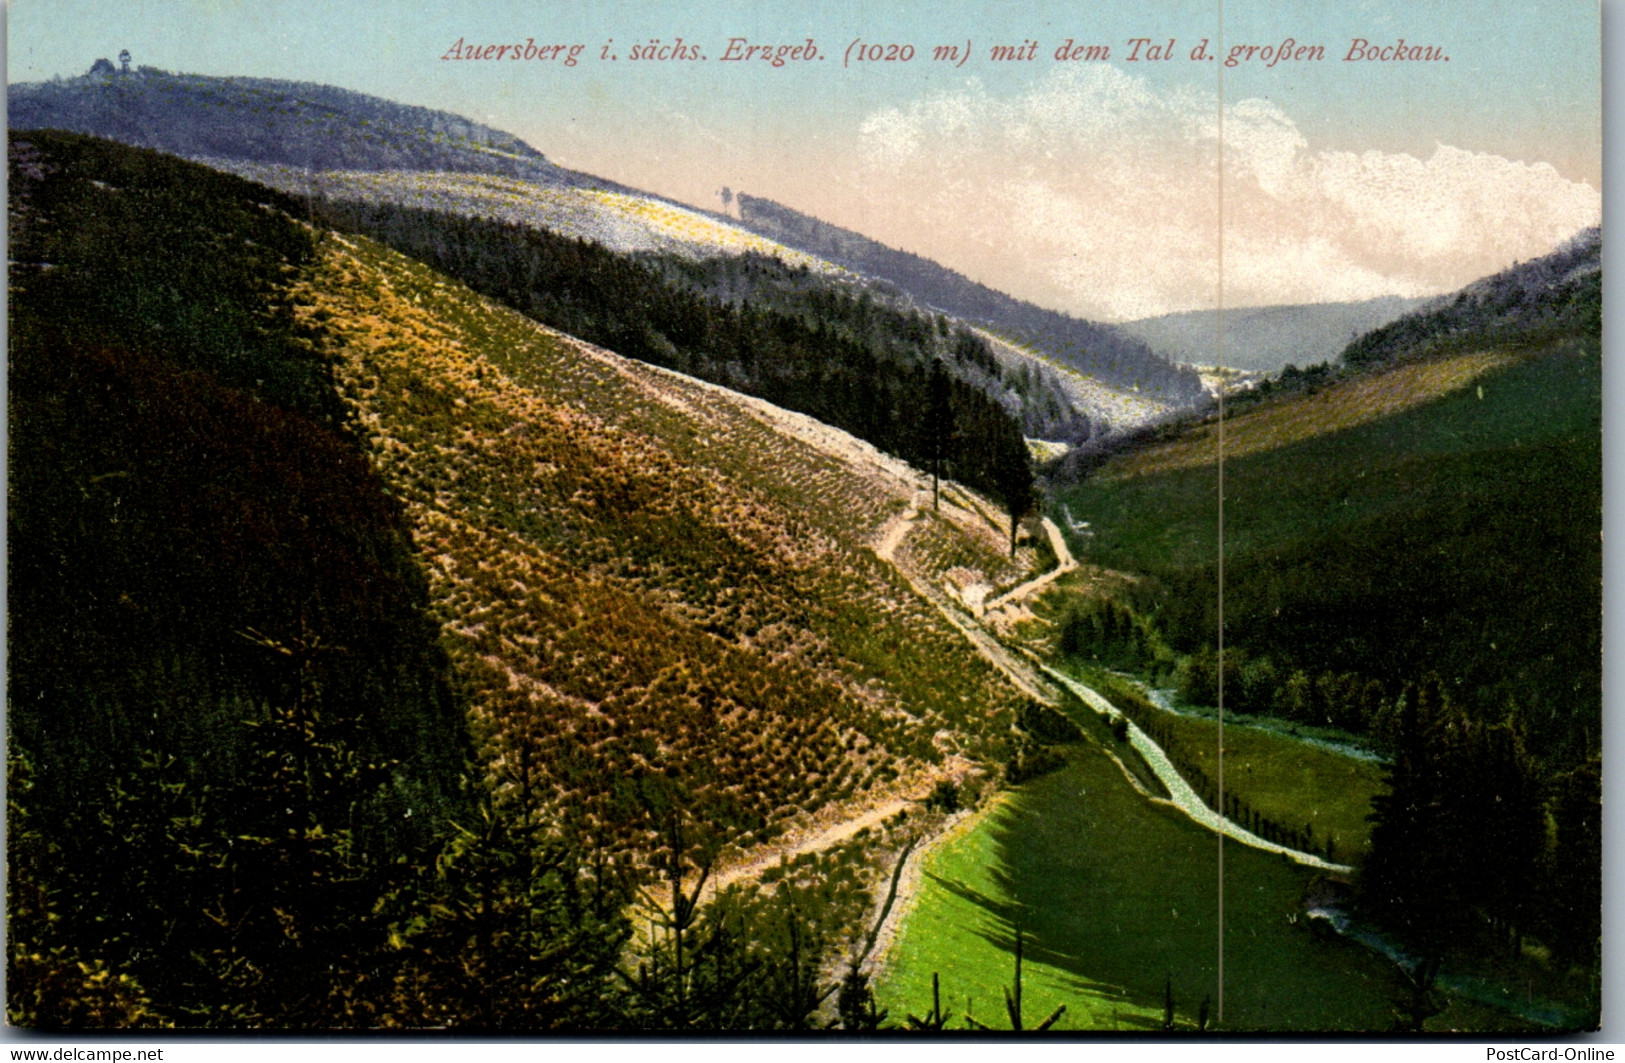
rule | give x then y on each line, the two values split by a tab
1013	475
1012	1002
934	1019
940	430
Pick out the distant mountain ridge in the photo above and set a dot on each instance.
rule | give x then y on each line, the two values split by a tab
1103	351
294	123
1267	338
303	137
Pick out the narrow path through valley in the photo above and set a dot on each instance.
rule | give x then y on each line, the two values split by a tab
1033	678
1019	672
834	834
1182	796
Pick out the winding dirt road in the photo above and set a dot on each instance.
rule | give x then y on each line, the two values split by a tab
1065	563
1017	670
1035	679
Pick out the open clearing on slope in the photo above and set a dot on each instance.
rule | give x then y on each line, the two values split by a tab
1117	408
1343	405
620	221
643	577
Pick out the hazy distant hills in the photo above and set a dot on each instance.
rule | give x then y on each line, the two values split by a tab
1267	338
288	123
1101	351
1554	290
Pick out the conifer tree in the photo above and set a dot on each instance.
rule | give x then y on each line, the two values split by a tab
940	430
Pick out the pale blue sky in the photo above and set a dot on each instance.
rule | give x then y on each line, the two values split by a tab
1522	87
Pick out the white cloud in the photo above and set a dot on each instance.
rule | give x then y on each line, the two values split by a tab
1096	193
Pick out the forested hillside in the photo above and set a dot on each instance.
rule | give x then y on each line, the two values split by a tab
372	645
1555	294
1411	555
221	668
1100	351
1030	392
896	378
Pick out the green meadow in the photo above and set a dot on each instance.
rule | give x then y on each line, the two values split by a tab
1116	897
1287	780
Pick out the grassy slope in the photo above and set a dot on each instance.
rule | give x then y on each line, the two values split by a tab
1115	895
1289	782
644	578
1459	535
621	221
1359	469
1357	402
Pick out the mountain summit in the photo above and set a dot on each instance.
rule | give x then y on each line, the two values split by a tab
288	123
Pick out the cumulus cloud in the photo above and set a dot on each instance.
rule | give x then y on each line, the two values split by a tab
1099	194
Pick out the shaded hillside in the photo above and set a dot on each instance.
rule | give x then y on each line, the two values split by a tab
221	674
301	531
1267	338
288	123
148	534
1555	294
1101	351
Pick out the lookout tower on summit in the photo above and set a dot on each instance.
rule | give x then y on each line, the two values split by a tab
104	67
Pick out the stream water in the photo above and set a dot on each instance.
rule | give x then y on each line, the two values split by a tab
1181	795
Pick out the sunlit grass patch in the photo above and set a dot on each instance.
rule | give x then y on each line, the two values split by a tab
1116	898
1341	406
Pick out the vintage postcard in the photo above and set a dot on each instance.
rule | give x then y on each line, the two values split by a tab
913	519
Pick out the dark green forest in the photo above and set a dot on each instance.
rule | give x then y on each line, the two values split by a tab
1431	583
876	314
1104	352
1556	294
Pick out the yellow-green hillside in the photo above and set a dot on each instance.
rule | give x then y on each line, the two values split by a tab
652	588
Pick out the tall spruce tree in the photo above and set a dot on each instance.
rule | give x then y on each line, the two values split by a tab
940	431
1404	880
